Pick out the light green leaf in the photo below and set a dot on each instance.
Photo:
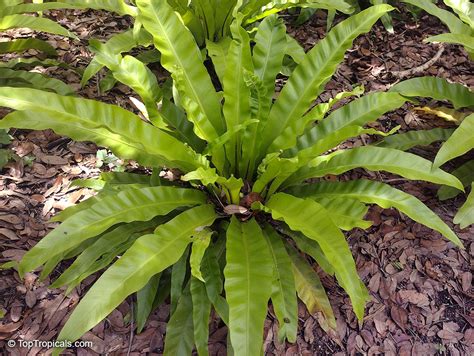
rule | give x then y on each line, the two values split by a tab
381	194
357	113
465	215
104	244
464	9
201	241
36	81
179	331
309	78
374	158
311	292
237	93
436	88
180	53
145	298
247	288
460	142
33	23
149	255
218	53
410	139
178	276
311	248
25	44
314	221
465	173
283	292
268	53
201	312
127	206
346	214
89	120
118	6
448	18
456	38
212	273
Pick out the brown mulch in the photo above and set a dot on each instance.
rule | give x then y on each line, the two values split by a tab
421	286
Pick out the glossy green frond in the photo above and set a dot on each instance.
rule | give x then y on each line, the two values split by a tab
310	76
374	158
381	194
465	173
127	206
436	88
283	291
314	221
465	215
247	288
460	142
410	139
149	255
179	53
89	120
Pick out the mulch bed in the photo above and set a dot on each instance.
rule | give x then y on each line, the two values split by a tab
421	285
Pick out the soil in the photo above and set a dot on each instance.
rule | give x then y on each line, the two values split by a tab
420	284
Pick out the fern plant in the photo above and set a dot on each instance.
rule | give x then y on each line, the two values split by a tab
14	14
228	230
461	27
458	142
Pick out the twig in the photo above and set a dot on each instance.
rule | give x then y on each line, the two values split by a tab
420	68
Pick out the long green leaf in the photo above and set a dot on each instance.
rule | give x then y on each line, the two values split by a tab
178	277
36	81
201	241
374	158
212	274
465	215
201	312
34	23
149	255
115	45
105	243
311	292
460	142
464	9
410	139
25	44
357	113
179	331
237	93
311	248
310	218
308	79
179	53
145	298
454	24
248	285
89	120
127	206
283	292
456	38
436	88
381	194
465	174
118	6
268	53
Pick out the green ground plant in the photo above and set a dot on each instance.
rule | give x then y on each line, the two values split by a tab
457	142
460	24
15	73
228	231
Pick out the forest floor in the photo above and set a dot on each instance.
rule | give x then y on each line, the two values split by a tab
420	284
